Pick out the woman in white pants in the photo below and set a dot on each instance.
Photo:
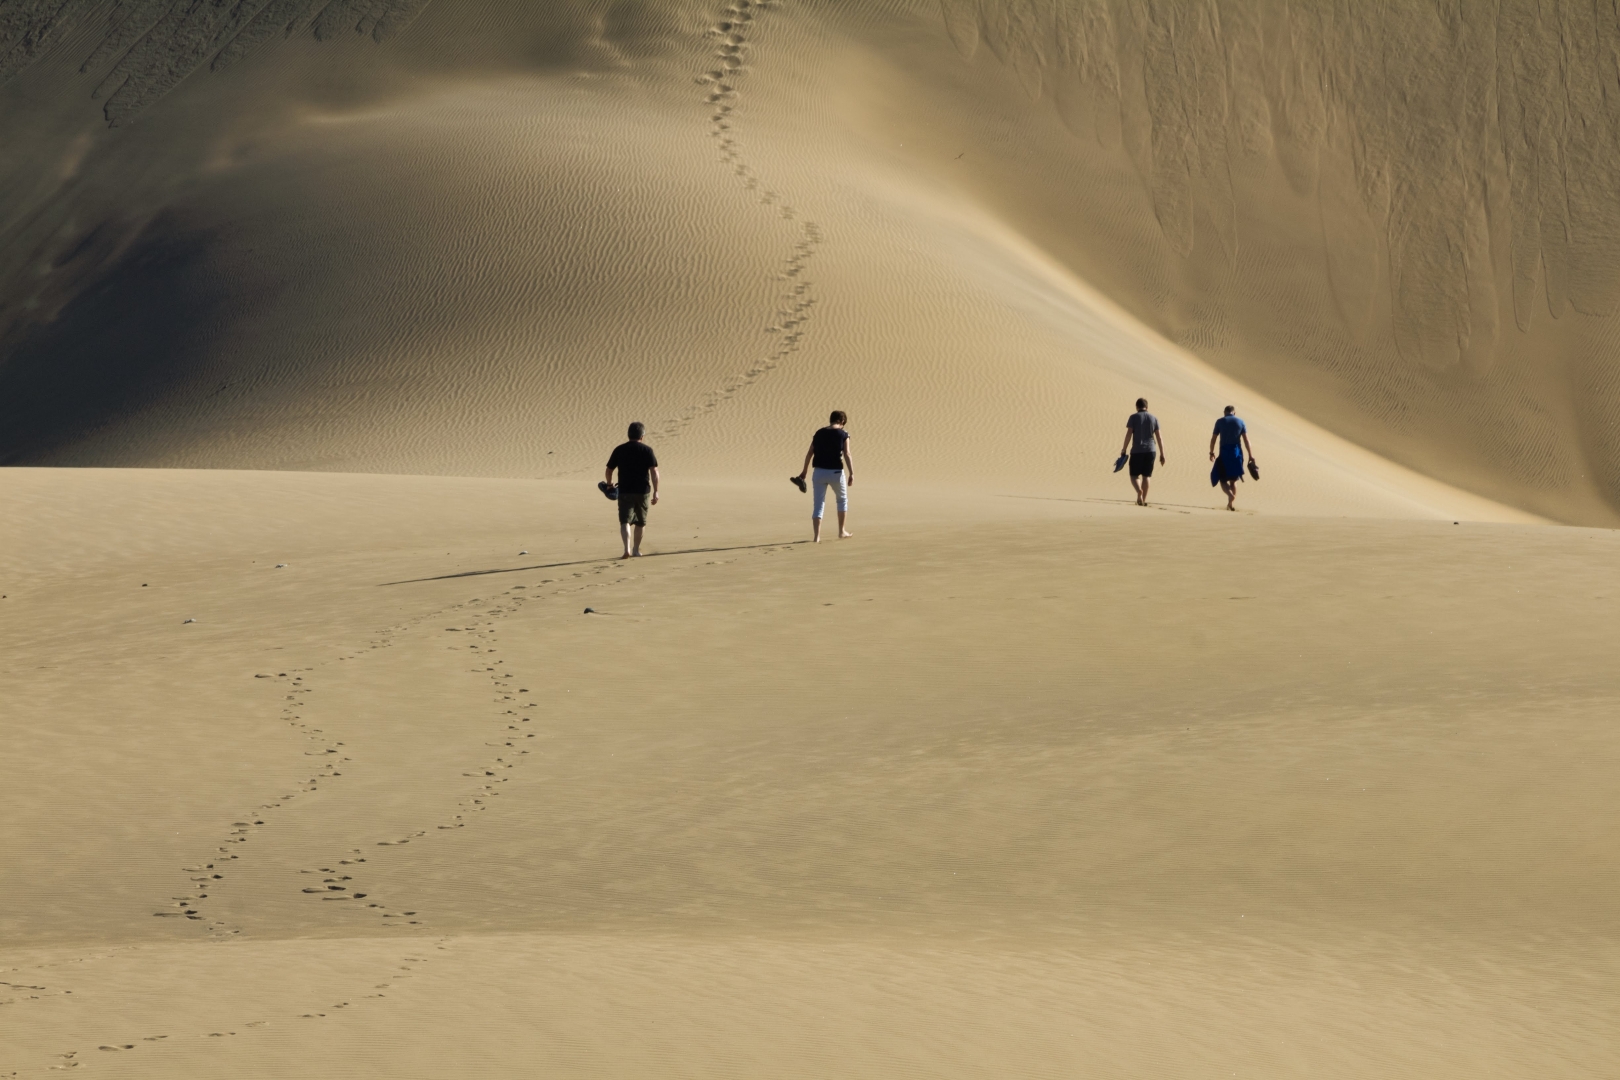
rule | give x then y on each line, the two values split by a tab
829	454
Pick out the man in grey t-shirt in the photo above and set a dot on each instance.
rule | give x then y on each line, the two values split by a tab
1143	442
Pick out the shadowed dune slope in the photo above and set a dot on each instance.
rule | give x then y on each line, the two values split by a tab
473	237
1400	220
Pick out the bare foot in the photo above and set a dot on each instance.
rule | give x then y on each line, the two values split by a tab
845	535
626	555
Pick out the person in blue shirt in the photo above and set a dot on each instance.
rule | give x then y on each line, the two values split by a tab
1233	436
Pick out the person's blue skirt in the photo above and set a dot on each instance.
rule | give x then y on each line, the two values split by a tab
1228	466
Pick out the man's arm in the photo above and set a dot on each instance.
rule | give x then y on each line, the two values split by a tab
849	462
607	477
1246	445
1159	436
653	472
1212	438
1125	447
808	456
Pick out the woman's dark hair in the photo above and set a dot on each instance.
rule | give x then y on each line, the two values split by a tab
838	417
637	429
1141	403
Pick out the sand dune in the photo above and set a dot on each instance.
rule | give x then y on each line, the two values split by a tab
1399	221
318	319
511	224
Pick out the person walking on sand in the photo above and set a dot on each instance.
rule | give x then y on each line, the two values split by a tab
638	487
1233	436
1143	442
829	454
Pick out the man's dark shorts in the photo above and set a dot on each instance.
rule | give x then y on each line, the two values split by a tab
1141	464
633	508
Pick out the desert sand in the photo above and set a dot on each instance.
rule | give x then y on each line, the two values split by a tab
318	320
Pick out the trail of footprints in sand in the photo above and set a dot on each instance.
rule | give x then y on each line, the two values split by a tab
797	302
74	1059
338	879
478	618
510	690
209	876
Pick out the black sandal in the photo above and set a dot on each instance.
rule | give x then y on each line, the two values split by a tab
798	482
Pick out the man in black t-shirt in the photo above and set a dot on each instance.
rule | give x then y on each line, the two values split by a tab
829	453
638	487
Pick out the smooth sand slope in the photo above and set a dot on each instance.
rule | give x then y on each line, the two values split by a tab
323	767
1052	788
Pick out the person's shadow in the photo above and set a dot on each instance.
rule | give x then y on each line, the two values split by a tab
590	562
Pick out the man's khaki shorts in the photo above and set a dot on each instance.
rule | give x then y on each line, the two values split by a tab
633	508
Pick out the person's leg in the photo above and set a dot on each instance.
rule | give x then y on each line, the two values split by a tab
1140	471
632	518
842	490
1230	487
638	522
818	505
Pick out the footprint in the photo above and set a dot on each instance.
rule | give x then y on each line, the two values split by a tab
731	29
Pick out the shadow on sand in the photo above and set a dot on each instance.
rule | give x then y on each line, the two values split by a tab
590	562
1173	508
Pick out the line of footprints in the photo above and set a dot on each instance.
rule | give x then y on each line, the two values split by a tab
796	303
337	880
207	877
73	1059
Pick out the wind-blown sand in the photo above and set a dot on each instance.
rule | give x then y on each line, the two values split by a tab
314	760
